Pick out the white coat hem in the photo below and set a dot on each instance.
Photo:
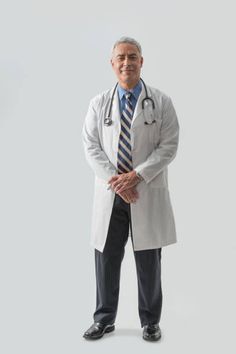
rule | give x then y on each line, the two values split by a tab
154	246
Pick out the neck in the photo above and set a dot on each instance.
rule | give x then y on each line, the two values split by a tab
128	85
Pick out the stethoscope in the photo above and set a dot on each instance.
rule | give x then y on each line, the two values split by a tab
108	120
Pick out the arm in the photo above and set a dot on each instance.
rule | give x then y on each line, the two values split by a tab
162	155
94	153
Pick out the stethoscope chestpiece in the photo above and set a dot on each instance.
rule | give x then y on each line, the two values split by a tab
154	121
107	121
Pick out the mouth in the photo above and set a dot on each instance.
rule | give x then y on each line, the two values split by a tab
127	71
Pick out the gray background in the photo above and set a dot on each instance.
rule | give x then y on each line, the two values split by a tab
54	58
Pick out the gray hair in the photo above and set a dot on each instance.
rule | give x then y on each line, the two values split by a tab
127	40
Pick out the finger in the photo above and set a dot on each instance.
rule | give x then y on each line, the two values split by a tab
116	183
113	178
128	184
122	178
123	187
115	186
118	180
120	190
127	198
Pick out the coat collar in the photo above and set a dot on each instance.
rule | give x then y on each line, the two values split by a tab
135	91
138	109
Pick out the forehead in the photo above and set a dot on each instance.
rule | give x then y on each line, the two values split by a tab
125	48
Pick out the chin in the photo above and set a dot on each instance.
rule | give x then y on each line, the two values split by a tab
128	78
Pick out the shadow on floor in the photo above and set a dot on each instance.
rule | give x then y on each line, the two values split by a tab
131	332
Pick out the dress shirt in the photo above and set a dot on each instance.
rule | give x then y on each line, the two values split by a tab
134	97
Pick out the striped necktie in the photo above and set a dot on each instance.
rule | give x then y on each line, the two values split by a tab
124	157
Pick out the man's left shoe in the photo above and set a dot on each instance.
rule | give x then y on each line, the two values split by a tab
97	330
152	332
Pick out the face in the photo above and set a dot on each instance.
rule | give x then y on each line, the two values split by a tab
126	63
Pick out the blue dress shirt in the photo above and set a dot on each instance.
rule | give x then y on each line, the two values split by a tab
134	97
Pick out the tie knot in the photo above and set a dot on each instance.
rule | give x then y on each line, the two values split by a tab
128	95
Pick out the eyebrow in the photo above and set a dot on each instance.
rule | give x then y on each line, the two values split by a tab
122	55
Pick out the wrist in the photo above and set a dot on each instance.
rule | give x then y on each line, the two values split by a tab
139	177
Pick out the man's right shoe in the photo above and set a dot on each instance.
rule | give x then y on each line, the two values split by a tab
152	332
97	330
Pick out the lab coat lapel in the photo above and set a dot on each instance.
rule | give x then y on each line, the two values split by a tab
115	114
138	108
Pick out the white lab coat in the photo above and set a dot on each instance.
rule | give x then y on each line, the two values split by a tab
153	148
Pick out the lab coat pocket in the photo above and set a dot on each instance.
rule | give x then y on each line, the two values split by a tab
151	133
160	181
156	132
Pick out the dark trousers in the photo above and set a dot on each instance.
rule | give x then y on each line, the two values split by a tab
108	266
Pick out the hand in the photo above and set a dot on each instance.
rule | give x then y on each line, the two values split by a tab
120	183
129	195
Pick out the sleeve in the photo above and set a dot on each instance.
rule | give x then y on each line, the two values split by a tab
95	155
166	150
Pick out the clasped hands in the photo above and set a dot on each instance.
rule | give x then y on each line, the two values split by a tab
125	185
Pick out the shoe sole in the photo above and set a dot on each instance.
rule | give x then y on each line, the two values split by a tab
150	339
106	330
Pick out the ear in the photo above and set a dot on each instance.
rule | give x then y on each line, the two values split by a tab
111	61
141	61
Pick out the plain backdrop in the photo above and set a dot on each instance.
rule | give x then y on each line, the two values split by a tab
54	57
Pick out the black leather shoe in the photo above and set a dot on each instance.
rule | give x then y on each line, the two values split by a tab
151	332
97	330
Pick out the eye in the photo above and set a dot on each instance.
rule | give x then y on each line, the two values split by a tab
120	58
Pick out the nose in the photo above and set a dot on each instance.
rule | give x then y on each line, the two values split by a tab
126	61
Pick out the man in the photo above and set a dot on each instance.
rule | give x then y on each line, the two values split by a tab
129	140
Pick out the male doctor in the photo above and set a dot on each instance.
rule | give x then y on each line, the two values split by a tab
129	141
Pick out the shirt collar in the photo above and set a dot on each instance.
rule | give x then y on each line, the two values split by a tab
135	91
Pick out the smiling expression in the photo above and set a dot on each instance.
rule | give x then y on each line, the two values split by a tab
126	62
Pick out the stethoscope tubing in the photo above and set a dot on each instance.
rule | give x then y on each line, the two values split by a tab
108	120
